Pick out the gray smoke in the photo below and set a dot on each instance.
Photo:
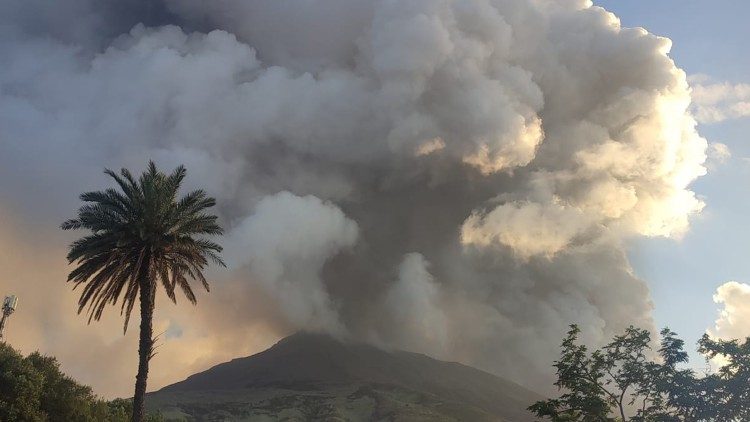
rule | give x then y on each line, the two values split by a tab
457	178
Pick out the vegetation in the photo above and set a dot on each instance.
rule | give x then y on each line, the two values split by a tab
621	381
140	236
33	389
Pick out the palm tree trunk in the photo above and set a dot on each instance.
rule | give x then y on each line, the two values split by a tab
145	347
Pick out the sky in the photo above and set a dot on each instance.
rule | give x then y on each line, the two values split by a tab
458	178
709	38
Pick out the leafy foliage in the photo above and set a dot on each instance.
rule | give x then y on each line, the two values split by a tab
622	382
33	389
20	387
730	386
121	410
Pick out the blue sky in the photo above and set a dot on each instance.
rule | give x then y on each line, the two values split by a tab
711	38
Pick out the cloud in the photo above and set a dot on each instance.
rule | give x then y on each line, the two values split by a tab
734	318
715	102
718	154
514	146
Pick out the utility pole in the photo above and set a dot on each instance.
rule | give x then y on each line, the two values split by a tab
9	305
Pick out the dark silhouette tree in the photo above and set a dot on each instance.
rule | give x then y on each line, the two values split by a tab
141	235
621	381
730	385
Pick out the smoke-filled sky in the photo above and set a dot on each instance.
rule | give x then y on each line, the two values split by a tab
458	178
710	44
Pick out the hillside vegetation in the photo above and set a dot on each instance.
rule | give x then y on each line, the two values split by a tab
33	389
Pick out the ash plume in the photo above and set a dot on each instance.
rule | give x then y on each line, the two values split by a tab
457	178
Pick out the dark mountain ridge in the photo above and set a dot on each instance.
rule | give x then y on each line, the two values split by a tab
308	368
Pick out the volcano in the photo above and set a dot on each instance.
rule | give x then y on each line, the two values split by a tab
314	377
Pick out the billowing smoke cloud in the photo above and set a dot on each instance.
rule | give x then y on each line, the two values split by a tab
452	177
415	304
286	243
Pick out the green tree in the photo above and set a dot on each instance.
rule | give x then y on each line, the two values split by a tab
20	387
141	235
121	410
622	382
34	389
61	397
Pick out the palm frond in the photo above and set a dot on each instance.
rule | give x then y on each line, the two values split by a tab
141	234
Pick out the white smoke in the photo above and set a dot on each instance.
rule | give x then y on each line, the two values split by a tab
415	304
285	244
515	145
528	229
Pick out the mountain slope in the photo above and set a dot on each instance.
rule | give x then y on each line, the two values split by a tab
314	377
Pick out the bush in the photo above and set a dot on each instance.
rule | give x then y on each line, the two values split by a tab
34	389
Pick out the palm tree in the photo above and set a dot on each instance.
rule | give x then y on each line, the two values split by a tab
141	235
